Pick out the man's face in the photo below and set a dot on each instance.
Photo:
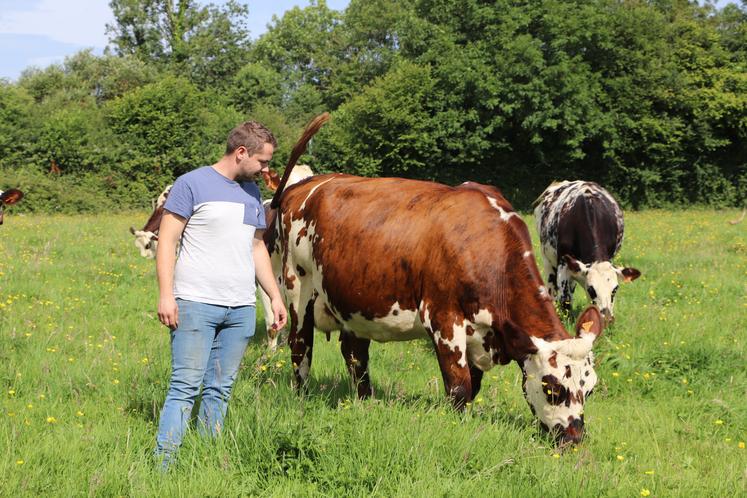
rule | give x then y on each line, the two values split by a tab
251	165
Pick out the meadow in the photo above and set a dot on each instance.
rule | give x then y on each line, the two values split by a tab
84	367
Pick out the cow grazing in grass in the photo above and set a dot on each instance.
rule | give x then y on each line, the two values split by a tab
7	198
388	259
146	240
581	229
272	180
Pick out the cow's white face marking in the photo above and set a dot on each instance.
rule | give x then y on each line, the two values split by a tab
146	242
600	280
559	378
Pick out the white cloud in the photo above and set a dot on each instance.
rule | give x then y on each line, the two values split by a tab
79	22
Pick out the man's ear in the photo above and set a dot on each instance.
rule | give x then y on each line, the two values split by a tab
573	264
627	274
11	196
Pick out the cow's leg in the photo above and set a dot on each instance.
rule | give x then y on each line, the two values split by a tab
476	380
551	270
355	352
301	340
566	286
451	349
552	278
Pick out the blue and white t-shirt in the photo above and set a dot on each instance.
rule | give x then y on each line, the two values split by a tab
215	264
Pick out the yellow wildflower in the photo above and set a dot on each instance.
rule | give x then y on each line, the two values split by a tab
20	462
645	492
620	458
741	445
51	420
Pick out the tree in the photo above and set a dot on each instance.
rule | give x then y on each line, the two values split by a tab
203	42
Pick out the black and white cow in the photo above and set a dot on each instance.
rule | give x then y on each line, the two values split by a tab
8	197
581	229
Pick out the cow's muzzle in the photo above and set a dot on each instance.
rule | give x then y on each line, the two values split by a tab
564	436
607	317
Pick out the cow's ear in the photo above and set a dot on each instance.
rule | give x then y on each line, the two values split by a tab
11	196
272	179
627	274
590	322
573	264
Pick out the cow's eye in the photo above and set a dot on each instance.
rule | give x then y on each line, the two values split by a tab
592	293
555	393
147	246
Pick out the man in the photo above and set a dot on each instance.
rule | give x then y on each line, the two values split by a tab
207	295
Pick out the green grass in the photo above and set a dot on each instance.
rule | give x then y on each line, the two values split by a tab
84	366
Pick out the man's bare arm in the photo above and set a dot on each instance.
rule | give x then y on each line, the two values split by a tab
265	277
169	233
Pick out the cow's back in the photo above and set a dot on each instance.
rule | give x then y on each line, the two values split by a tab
580	219
378	245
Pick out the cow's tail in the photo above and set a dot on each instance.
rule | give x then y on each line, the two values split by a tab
298	149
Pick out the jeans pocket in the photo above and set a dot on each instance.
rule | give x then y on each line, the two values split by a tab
189	316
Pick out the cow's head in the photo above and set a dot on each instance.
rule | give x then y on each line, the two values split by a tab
8	197
146	242
601	280
559	376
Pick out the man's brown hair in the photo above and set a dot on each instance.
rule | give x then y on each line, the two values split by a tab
252	135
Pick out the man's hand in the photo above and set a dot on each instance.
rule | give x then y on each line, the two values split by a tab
168	312
280	316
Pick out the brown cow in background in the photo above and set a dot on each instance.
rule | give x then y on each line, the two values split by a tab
7	198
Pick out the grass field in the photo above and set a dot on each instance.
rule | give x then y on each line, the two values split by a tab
84	365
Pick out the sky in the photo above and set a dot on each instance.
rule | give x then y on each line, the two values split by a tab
43	32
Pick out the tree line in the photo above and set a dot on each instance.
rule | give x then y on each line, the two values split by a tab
646	97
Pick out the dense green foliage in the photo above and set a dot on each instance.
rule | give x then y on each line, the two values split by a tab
649	98
84	366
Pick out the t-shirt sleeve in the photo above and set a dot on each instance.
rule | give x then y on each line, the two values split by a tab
258	221
181	199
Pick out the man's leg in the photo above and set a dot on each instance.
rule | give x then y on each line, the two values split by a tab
223	366
190	351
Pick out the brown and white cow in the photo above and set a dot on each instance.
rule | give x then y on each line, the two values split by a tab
146	240
580	226
388	259
7	198
272	180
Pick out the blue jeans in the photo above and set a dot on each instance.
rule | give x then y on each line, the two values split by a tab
206	350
